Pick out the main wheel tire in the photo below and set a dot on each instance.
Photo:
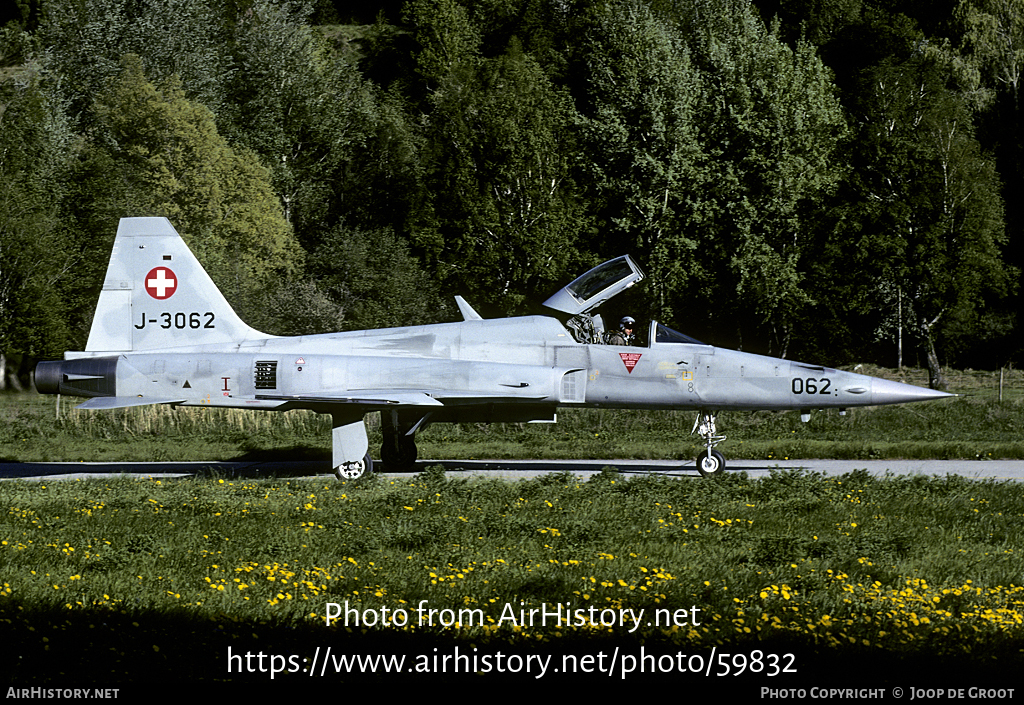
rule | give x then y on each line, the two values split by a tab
349	472
710	463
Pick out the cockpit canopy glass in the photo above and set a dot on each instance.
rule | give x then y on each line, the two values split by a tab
599	279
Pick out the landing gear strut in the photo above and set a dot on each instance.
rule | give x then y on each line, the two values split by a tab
398	451
710	462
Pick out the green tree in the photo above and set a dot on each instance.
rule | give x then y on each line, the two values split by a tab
770	127
504	218
339	149
817	21
36	154
993	41
930	214
448	40
639	144
161	154
283	104
994	36
375	281
85	42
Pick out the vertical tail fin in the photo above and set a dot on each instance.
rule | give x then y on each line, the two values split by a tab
157	295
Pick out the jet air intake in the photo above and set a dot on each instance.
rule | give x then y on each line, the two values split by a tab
84	377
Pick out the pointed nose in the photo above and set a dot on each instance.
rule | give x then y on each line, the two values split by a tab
884	391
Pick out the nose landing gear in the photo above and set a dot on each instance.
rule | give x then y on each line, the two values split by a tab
710	462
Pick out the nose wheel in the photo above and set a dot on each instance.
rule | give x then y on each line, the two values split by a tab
710	462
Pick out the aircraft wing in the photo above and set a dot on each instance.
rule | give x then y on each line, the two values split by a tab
124	402
449	398
379	399
361	397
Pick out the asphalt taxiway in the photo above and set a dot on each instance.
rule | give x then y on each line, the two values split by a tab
515	469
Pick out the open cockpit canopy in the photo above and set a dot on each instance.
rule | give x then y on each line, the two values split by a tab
588	291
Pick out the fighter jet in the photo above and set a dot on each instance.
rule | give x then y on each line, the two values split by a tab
164	334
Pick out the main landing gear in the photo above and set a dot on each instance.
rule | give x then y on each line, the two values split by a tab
351	461
710	462
349	456
354	470
398	450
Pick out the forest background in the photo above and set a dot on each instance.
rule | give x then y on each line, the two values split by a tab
837	181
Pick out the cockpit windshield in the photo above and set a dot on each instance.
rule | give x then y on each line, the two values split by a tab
664	334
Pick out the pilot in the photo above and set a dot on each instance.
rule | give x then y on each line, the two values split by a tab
624	335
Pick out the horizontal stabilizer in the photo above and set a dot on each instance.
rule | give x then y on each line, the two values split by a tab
124	402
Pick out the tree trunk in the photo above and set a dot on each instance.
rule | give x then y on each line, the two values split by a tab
9	370
936	377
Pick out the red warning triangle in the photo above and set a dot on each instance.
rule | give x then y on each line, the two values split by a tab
630	360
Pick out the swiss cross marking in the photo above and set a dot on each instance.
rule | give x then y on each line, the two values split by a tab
630	360
161	283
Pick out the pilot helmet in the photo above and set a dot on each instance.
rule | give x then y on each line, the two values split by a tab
626	322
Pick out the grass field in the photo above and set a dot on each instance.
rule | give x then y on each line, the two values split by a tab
128	581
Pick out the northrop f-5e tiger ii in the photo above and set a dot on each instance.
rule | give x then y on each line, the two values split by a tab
164	334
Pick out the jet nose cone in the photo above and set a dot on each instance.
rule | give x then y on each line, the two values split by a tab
884	391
